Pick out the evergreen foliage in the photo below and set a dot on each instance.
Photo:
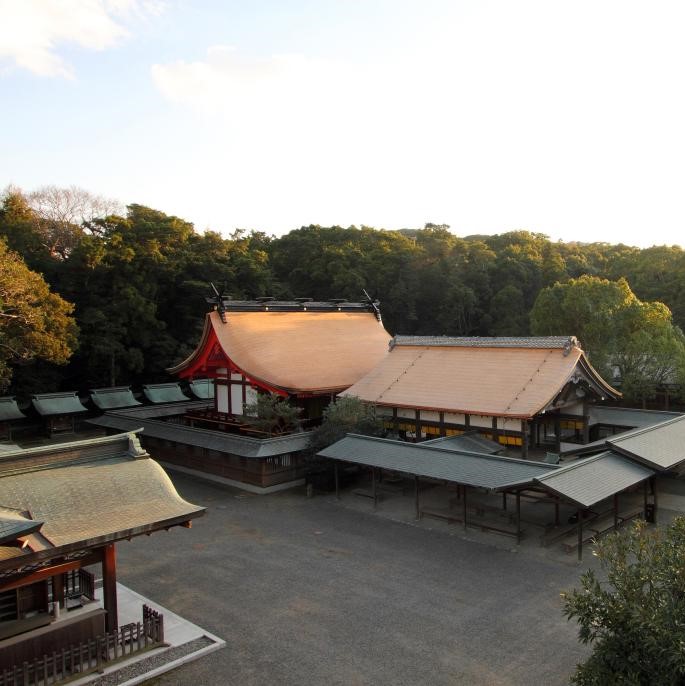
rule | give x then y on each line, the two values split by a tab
632	615
347	414
138	281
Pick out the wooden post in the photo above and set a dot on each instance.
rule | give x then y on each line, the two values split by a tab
467	421
443	431
556	512
416	497
654	497
557	433
615	511
504	501
417	424
373	487
395	419
464	494
58	589
580	535
525	438
644	490
109	587
518	517
337	488
586	422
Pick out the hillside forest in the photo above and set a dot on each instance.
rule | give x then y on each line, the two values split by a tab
95	295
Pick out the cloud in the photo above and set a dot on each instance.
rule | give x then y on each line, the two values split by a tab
32	30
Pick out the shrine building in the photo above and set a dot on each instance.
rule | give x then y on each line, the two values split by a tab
303	350
524	392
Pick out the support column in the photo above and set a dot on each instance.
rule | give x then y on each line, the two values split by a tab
586	422
109	587
416	497
58	589
443	431
395	420
654	498
504	501
557	434
580	535
417	424
518	517
373	487
464	493
337	482
644	492
525	438
615	511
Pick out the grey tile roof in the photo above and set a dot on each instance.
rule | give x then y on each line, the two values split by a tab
85	497
48	404
164	393
661	446
112	398
202	388
628	417
593	479
9	410
470	469
543	342
223	442
470	442
164	410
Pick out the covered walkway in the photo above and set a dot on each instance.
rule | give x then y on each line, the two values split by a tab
583	484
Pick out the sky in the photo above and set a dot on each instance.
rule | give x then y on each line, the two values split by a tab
563	118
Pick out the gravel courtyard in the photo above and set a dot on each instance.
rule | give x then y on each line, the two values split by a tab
309	591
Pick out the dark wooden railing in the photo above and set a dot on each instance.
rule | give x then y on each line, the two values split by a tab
91	656
79	582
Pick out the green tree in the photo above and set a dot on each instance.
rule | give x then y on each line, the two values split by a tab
347	414
273	414
624	337
632	612
34	322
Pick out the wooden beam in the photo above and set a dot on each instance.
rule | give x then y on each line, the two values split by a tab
109	587
47	572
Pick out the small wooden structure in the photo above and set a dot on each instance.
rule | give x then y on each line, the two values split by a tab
113	398
59	411
9	414
63	508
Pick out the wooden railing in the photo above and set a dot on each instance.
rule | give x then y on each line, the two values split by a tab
79	582
91	656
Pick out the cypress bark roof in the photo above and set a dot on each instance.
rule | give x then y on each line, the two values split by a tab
294	351
493	377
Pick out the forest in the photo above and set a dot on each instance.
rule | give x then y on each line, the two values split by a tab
92	294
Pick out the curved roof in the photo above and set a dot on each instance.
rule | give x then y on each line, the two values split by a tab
494	377
294	351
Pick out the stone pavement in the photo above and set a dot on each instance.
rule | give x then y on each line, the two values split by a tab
186	642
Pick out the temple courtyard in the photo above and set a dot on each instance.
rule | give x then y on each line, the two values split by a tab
325	591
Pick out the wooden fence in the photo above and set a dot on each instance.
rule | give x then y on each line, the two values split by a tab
91	656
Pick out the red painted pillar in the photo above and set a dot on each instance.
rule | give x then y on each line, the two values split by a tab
109	586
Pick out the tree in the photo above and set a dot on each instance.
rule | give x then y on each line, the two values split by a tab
623	336
273	414
34	322
633	614
347	414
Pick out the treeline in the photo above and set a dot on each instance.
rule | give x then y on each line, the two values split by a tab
138	278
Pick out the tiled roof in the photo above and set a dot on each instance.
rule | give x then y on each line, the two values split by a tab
470	469
164	393
86	496
48	404
9	410
629	417
472	442
244	446
202	388
593	479
661	446
507	381
320	351
112	398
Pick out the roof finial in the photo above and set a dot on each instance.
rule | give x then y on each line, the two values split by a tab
374	305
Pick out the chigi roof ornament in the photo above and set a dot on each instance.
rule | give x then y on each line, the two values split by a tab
218	301
374	304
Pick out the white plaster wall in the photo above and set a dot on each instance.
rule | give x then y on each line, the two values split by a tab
221	398
236	398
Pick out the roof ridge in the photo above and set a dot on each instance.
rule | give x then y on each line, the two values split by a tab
552	342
